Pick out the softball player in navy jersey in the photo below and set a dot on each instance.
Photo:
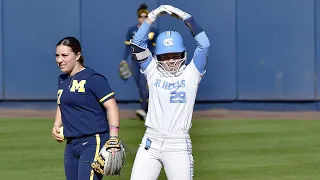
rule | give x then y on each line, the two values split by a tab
173	88
85	100
140	80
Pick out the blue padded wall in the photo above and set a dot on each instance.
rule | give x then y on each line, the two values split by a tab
1	50
260	50
317	46
31	30
276	50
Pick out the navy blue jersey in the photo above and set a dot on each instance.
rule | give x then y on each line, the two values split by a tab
81	98
152	36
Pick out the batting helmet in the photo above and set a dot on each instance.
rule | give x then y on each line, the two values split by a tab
169	42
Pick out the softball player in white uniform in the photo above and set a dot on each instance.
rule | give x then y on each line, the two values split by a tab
172	92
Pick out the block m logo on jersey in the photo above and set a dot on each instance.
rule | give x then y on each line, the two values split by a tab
78	86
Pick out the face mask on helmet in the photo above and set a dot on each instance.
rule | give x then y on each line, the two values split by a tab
171	62
170	52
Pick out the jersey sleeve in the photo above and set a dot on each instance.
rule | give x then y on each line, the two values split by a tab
150	69
200	56
194	75
100	88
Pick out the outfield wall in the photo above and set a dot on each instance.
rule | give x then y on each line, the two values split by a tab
260	50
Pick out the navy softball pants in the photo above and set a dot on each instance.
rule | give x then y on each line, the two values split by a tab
141	82
80	151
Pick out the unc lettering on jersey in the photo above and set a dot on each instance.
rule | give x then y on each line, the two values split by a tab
78	86
169	86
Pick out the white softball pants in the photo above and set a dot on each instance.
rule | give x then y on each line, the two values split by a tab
172	150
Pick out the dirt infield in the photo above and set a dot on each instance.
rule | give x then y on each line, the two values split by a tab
208	114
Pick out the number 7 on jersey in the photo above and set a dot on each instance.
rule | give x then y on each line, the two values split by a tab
59	95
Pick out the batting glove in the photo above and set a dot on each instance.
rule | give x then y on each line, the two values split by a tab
177	12
161	10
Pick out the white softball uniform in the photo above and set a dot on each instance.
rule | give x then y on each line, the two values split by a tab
167	141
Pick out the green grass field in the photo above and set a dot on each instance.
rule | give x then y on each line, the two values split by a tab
223	149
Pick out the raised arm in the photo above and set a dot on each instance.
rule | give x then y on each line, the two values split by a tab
139	44
201	53
200	56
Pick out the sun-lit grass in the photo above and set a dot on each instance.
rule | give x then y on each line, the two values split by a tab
223	149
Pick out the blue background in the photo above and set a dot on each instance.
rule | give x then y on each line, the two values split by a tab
260	50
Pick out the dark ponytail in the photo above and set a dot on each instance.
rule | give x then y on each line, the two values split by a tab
81	60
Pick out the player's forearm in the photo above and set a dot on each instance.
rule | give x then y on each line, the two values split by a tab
58	120
193	26
141	37
113	117
198	34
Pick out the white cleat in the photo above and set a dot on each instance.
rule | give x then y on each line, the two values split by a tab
141	114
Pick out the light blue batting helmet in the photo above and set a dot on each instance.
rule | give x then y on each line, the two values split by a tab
169	42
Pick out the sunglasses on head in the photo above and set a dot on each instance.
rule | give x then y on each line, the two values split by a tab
143	16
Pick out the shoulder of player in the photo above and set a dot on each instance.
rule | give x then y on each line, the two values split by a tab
192	68
90	74
190	64
63	77
191	61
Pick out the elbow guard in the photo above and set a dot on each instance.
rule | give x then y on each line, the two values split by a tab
139	54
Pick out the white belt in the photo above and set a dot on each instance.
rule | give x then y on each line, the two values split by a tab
167	135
